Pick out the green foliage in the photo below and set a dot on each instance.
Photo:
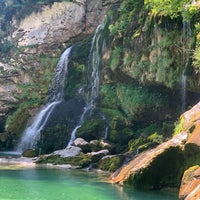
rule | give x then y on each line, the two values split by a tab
121	135
76	79
108	95
5	47
82	160
143	143
91	129
115	115
115	58
35	92
172	8
179	126
126	11
111	163
137	100
196	54
16	122
53	138
32	95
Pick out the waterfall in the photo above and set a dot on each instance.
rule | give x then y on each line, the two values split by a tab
32	133
186	35
93	85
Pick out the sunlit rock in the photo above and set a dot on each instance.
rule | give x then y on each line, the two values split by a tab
190	185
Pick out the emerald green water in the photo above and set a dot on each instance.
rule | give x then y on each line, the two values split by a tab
65	184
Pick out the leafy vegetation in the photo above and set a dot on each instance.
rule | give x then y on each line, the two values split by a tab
172	8
32	95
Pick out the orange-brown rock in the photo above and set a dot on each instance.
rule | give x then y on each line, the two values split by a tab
190	185
148	164
191	117
195	136
146	159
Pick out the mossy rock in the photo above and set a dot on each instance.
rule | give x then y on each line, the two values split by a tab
143	143
111	163
30	153
92	129
164	171
82	160
191	149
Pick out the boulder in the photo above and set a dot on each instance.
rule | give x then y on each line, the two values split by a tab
80	142
96	156
164	165
154	168
104	144
68	152
190	185
30	153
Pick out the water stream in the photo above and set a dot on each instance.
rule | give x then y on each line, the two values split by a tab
93	85
32	133
186	36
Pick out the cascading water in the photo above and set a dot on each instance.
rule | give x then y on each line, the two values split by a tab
186	35
32	134
93	85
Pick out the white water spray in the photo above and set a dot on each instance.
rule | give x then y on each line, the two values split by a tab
186	35
94	65
31	134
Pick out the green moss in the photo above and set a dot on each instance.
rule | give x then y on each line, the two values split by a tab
91	129
109	98
53	138
172	8
30	153
115	58
81	160
111	163
76	79
135	101
179	126
16	123
32	95
164	171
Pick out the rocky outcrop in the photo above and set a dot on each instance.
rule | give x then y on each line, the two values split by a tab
190	185
61	22
54	25
164	165
10	77
152	161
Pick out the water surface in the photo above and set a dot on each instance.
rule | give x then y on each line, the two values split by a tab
61	184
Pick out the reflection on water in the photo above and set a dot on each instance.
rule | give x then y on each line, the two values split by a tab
11	154
52	184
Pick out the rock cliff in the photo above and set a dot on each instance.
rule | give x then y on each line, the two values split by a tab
39	38
61	22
